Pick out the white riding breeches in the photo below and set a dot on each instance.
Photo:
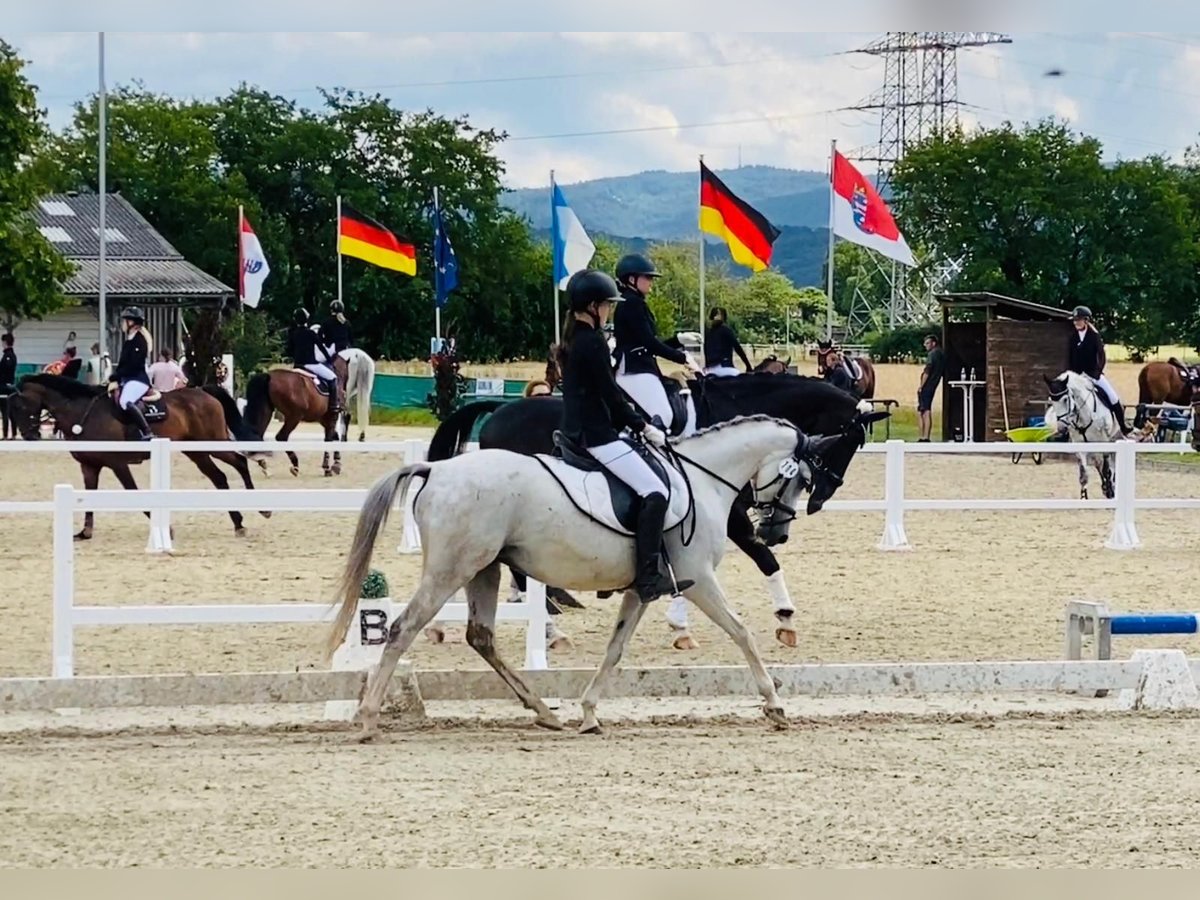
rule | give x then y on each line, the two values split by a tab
132	392
1107	387
648	393
620	459
722	371
321	370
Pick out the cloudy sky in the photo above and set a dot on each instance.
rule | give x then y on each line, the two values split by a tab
591	104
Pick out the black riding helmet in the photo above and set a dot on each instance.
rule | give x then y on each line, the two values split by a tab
300	316
633	264
1081	312
590	286
337	306
135	313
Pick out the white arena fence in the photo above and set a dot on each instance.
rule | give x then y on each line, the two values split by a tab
362	643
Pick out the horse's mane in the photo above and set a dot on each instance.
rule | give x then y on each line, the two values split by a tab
740	420
63	386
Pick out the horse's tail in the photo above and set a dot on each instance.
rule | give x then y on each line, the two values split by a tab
1145	395
382	496
362	383
259	407
235	423
450	436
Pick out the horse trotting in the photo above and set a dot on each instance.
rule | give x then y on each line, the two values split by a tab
294	395
1075	406
528	512
85	413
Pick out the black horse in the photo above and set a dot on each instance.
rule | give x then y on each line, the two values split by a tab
813	405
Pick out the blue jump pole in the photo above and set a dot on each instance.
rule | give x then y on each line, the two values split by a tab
1166	623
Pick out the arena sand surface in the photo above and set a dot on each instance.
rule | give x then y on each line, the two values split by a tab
852	787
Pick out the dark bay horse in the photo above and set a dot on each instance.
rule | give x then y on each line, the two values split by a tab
864	385
813	405
294	395
85	413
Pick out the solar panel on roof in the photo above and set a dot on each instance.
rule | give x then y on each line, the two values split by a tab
54	234
56	208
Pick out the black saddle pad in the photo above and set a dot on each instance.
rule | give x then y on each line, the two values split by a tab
626	503
154	410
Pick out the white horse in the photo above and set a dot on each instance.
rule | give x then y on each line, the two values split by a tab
489	508
1075	405
360	381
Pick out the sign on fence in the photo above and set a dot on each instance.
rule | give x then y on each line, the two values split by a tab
489	387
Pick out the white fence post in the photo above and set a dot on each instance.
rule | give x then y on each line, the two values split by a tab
63	625
894	537
159	540
535	632
414	452
1124	534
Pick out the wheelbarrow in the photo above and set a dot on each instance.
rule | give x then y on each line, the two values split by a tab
1032	434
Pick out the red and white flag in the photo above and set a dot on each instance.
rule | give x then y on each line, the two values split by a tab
254	269
861	216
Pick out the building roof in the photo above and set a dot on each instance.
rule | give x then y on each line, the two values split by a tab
1000	305
139	262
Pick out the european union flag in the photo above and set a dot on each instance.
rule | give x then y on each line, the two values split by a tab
445	263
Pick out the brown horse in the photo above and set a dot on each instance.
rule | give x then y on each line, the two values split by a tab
773	365
864	385
85	413
1165	382
294	394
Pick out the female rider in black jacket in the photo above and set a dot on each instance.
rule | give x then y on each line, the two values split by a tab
130	376
593	410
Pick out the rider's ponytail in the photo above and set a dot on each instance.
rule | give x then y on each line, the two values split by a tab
568	333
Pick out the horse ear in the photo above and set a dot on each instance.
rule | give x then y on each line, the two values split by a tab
1047	379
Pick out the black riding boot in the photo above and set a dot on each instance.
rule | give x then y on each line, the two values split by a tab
1118	410
653	577
331	386
139	419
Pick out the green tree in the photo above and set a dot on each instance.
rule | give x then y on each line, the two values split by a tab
31	270
1037	215
761	304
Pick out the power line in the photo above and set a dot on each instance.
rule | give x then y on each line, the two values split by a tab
649	128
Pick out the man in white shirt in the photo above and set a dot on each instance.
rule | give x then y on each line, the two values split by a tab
97	368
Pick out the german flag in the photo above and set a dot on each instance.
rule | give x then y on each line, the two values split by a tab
740	225
363	238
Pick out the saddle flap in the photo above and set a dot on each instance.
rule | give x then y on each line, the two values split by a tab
154	410
603	497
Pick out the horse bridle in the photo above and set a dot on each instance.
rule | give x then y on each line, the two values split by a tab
1073	412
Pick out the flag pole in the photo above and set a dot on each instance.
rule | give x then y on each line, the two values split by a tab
829	286
241	261
701	273
437	309
338	244
102	131
553	269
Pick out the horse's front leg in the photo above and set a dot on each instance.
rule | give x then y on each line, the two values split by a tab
1083	476
91	480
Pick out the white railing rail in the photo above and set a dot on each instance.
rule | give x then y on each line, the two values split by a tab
67	616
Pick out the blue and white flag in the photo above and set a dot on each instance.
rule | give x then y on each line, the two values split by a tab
445	263
573	249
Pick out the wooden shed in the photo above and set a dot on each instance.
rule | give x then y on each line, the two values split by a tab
990	332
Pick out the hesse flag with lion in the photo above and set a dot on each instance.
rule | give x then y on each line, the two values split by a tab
860	215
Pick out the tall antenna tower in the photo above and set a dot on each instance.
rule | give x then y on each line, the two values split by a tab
918	100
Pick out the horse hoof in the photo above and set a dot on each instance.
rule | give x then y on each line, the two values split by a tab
83	536
592	728
362	436
239	532
328	473
562	642
685	642
550	723
265	513
436	635
337	470
776	717
295	470
787	637
262	464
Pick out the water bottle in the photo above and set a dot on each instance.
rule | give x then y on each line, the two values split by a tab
972	373
962	375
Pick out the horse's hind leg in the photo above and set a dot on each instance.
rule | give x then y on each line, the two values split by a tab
627	620
709	597
205	464
1107	477
289	425
242	466
432	594
482	595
